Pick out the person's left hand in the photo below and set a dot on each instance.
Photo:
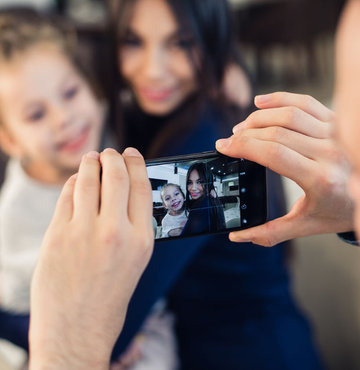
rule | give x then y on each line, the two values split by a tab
292	134
93	254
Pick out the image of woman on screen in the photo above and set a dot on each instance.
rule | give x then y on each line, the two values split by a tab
173	199
205	212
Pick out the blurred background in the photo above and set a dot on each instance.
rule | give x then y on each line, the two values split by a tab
287	45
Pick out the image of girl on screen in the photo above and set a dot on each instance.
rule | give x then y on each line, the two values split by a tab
205	211
173	199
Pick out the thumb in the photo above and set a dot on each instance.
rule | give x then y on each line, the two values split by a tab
270	233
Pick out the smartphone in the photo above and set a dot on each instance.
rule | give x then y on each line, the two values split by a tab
205	193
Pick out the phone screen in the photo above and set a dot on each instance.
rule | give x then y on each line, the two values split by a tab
205	193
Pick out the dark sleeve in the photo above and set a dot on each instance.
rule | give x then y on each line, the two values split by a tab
15	328
168	261
198	222
349	237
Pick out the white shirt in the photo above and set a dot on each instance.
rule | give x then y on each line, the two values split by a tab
26	208
170	222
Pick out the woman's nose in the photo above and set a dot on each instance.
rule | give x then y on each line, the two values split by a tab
154	63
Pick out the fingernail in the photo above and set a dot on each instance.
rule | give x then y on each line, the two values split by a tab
222	143
131	152
93	154
234	238
109	150
261	99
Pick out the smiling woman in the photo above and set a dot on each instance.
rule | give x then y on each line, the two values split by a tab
172	56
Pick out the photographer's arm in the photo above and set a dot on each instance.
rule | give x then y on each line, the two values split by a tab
93	254
292	134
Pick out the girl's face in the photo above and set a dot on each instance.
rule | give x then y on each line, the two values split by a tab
173	199
154	59
50	116
195	186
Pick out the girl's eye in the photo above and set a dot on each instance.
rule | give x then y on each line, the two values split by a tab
167	198
71	92
36	115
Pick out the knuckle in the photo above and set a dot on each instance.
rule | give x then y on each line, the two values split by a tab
141	187
293	114
332	153
275	151
276	133
307	101
111	235
88	185
117	175
253	118
143	244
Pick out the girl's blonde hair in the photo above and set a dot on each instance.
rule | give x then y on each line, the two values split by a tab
22	29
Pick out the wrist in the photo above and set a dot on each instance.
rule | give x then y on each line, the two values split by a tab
66	358
61	349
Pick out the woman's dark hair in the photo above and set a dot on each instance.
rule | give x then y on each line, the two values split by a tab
208	24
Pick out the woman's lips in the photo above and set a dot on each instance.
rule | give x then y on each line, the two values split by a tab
156	95
195	195
77	143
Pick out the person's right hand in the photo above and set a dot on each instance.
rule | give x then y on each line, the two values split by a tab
292	135
93	254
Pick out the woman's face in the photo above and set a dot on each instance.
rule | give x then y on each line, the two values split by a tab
195	186
154	59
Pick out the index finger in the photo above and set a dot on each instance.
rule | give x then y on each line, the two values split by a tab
140	199
304	102
87	188
273	155
114	186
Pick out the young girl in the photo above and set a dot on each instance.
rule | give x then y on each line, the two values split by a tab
173	200
50	117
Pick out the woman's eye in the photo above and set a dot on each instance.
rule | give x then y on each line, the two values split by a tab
71	92
183	43
131	41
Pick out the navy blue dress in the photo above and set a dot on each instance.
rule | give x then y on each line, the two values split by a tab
233	302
